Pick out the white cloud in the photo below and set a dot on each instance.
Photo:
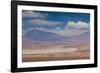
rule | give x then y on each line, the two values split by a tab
36	28
33	14
78	25
58	28
44	22
68	32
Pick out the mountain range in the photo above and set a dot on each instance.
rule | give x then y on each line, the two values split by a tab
38	35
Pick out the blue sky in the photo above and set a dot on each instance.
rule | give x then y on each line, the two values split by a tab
54	21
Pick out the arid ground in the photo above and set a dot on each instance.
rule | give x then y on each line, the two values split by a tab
51	51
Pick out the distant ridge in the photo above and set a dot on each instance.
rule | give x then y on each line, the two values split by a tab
39	35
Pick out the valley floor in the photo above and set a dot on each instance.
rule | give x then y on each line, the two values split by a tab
56	56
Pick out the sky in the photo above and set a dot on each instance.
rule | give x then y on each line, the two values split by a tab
63	23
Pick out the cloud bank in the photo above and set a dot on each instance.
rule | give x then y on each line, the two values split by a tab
78	25
33	14
44	22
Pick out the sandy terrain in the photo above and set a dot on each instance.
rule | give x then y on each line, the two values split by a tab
49	52
56	56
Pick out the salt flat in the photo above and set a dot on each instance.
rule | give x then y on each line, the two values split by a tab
49	50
